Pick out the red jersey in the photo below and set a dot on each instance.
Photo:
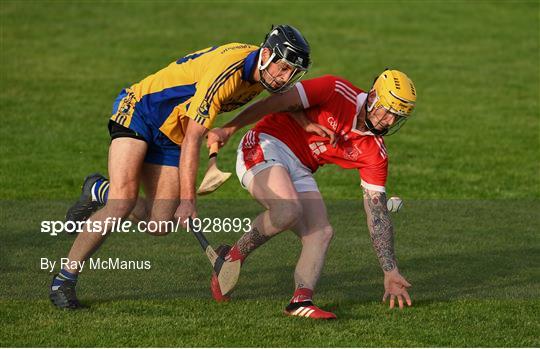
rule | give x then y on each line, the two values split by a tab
334	103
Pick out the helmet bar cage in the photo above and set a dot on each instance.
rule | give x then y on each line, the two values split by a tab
295	75
399	121
292	57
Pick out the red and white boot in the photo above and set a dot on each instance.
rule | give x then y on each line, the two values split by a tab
308	310
301	305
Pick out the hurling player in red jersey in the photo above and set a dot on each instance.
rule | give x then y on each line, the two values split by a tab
276	160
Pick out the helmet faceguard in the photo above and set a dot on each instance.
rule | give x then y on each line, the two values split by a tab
287	46
396	94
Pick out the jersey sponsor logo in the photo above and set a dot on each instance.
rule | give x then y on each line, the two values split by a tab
242	46
332	122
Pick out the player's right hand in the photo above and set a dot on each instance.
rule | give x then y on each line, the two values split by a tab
217	135
396	286
186	210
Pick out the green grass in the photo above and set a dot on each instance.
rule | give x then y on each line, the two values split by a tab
473	272
467	167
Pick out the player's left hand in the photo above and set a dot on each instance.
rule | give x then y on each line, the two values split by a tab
321	131
185	210
396	286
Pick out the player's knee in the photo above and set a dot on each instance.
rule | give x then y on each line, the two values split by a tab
125	188
159	232
286	213
120	208
161	224
321	236
326	234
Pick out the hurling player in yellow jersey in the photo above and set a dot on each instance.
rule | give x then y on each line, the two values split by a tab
165	115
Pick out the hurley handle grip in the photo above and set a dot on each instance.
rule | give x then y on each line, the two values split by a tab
214	148
198	234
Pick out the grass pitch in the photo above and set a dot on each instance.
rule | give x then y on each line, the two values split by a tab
467	168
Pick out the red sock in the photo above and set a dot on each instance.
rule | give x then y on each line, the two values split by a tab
302	295
235	254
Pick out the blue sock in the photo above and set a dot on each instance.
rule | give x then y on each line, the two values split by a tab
100	191
61	277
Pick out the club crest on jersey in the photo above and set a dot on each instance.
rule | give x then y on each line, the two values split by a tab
203	109
254	155
352	153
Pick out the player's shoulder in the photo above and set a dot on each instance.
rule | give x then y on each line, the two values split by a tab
345	84
323	79
333	81
235	50
374	148
228	60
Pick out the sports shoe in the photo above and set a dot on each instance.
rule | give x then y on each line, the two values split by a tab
214	283
85	206
309	310
65	297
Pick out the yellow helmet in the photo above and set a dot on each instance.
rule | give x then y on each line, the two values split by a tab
395	92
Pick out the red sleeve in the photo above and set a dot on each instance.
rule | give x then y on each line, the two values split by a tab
374	177
316	91
373	174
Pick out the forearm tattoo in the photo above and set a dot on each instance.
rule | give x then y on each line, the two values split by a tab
250	241
300	118
380	228
294	107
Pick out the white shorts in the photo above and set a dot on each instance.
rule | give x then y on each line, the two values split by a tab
259	151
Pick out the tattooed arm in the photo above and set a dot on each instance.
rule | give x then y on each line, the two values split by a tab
279	102
380	228
382	238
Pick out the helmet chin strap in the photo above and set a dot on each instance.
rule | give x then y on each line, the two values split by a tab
375	100
369	125
262	67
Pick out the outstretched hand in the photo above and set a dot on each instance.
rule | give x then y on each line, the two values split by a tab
396	286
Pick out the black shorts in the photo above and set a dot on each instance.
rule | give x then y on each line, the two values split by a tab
163	153
117	131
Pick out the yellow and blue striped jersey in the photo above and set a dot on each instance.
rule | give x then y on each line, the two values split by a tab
198	86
